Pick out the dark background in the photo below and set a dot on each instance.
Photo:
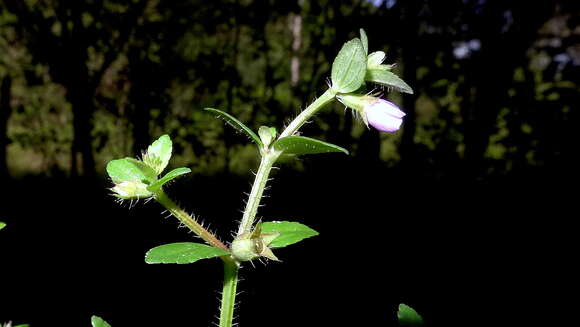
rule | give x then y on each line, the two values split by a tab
464	214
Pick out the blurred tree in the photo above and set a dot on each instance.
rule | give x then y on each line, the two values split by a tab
134	70
5	111
78	41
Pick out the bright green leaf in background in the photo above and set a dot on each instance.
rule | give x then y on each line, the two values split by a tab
158	154
183	252
290	232
298	145
237	125
2	225
408	316
98	322
381	75
349	67
129	169
169	176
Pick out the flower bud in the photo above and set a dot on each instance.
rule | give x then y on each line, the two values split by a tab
380	114
384	116
248	247
244	249
131	190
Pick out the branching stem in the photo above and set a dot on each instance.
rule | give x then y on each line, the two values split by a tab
269	157
189	221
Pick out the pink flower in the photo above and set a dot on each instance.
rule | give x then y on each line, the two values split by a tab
384	116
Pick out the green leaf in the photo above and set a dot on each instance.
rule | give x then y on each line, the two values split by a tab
237	125
349	67
382	76
129	169
299	145
365	40
184	252
2	224
169	176
99	322
22	325
290	232
408	316
159	153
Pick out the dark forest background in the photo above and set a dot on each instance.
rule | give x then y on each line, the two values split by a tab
462	214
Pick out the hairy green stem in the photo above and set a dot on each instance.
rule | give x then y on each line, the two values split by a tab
268	159
303	117
188	220
229	294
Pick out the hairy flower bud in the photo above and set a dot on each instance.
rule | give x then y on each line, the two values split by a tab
131	190
248	247
384	116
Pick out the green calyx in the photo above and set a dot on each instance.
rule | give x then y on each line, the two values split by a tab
250	246
356	101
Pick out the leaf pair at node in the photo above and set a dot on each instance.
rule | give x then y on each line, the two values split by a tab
139	178
353	66
289	145
276	234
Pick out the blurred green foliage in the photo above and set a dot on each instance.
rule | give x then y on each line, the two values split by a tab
84	82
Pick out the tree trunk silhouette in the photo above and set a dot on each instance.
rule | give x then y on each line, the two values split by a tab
5	111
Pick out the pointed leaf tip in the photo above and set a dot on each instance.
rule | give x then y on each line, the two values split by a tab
236	124
168	177
408	316
299	145
99	322
385	77
365	40
290	232
2	224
